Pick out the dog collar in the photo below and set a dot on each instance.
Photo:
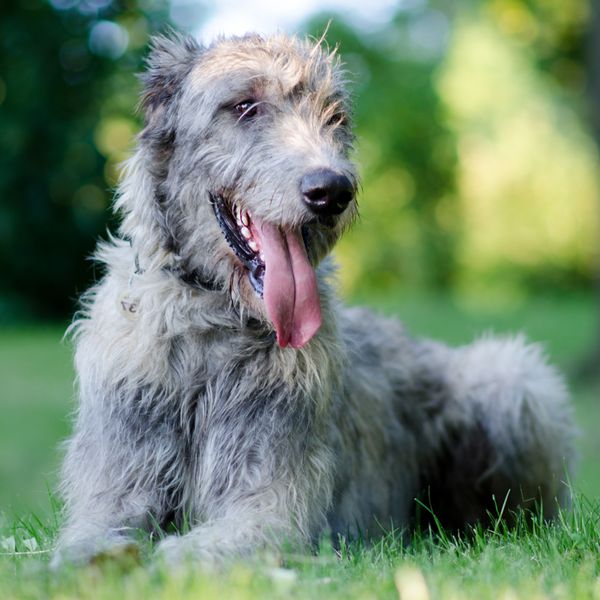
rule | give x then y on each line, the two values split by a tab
194	279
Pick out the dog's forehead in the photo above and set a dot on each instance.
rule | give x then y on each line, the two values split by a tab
280	64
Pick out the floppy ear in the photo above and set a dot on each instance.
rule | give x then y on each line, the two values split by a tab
170	60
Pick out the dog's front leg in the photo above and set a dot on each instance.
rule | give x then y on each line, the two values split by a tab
237	534
107	501
118	475
280	507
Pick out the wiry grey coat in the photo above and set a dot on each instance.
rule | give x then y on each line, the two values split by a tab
190	411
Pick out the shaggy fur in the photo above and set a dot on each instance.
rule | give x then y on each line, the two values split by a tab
189	410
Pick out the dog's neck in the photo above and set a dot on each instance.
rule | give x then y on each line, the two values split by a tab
193	278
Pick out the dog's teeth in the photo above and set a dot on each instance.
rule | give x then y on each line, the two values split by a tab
245	219
246	233
238	216
253	245
262	257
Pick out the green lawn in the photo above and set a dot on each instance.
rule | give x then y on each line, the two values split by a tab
547	561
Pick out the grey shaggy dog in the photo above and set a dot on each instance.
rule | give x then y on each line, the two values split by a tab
222	385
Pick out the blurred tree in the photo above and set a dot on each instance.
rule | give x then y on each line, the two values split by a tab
65	71
551	31
528	167
527	158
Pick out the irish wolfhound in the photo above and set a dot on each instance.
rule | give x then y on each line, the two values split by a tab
222	384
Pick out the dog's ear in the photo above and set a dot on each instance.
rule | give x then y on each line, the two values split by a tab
170	59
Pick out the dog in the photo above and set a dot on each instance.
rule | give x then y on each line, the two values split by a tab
223	385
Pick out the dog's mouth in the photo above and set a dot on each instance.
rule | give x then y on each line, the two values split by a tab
278	267
236	226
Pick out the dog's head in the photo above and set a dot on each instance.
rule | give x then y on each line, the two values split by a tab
246	144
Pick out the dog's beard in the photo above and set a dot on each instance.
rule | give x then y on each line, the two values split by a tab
279	270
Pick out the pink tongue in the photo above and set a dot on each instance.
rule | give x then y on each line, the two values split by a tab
290	289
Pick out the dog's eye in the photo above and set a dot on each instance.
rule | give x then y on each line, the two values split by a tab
246	109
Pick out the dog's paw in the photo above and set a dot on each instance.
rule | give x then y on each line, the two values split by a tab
169	551
178	551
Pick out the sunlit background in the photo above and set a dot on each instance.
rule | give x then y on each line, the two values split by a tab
477	143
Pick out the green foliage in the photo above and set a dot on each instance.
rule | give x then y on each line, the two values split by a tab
58	77
528	168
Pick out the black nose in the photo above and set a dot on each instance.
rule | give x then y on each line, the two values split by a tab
326	192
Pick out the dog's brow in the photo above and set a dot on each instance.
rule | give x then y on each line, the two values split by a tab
247	85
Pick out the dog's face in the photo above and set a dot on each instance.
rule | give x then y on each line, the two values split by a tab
247	143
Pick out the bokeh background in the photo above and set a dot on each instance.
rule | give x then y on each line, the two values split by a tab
478	127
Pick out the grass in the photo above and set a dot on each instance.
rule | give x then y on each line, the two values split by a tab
539	560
